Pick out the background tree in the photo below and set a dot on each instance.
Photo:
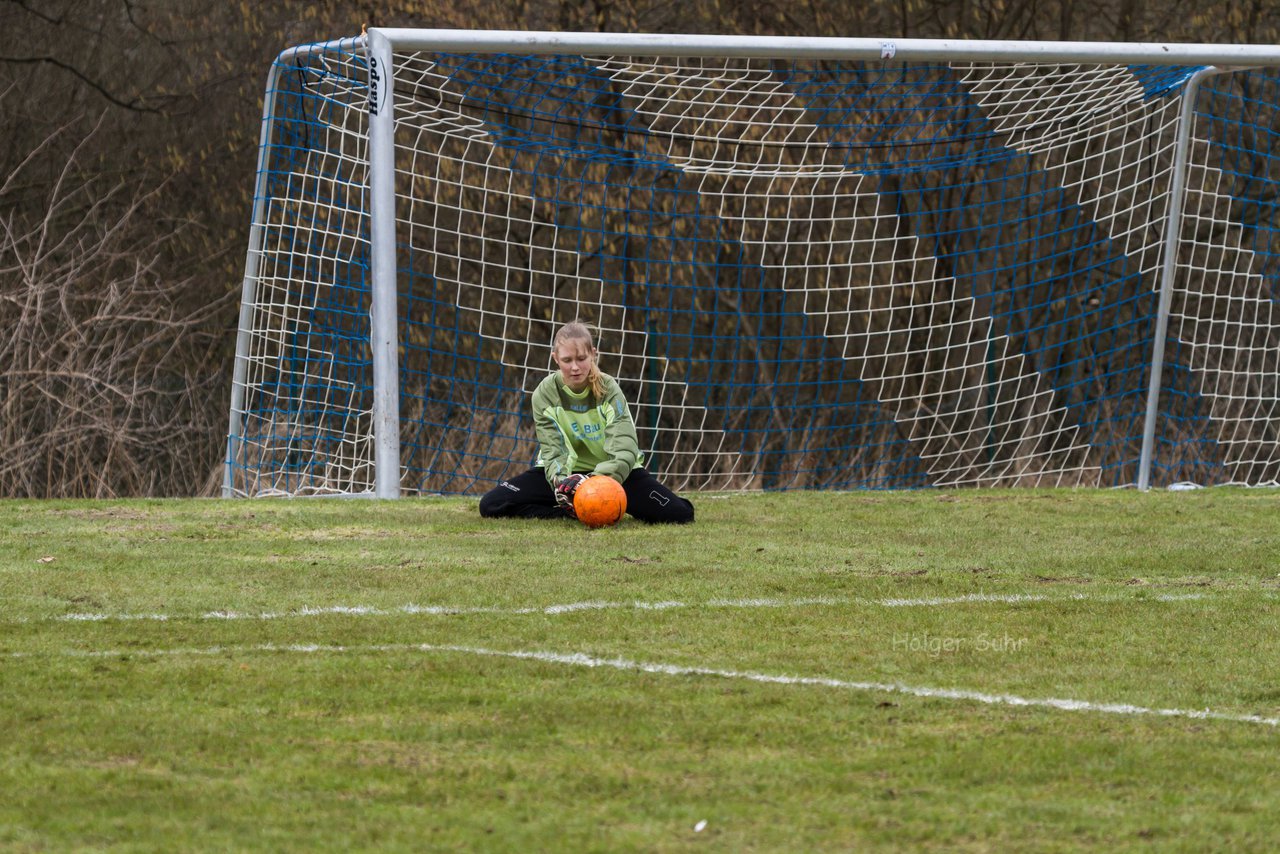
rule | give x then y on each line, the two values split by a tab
129	138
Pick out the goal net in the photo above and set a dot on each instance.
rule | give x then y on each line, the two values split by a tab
831	272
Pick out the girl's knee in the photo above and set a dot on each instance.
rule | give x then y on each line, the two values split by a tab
492	503
678	512
683	512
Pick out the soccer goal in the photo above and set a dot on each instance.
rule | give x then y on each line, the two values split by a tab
813	263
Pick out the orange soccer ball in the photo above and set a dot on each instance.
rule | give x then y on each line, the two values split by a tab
599	501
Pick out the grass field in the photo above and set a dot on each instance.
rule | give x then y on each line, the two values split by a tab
1048	670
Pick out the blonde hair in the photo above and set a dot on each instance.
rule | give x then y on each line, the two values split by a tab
578	331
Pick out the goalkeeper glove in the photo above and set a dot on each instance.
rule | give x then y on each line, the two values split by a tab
565	490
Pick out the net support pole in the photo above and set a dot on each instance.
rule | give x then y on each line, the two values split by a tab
382	235
1169	266
249	289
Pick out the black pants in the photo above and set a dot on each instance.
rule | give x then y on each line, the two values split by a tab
529	496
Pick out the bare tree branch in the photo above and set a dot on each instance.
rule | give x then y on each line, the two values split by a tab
136	104
102	389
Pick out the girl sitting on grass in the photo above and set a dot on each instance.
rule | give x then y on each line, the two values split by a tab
584	427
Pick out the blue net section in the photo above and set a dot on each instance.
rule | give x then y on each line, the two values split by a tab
803	274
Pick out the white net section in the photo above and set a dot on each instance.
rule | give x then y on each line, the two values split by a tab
306	424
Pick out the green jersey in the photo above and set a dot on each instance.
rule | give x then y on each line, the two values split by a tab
578	433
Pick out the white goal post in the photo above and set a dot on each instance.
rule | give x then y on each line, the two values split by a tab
813	263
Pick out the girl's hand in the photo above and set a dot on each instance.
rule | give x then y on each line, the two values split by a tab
565	490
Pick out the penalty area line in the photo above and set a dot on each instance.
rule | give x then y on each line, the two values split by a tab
579	607
579	659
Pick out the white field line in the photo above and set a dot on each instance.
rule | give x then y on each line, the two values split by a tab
578	659
574	607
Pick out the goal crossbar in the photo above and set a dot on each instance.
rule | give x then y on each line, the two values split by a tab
795	47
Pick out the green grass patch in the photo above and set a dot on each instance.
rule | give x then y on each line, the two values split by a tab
336	675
